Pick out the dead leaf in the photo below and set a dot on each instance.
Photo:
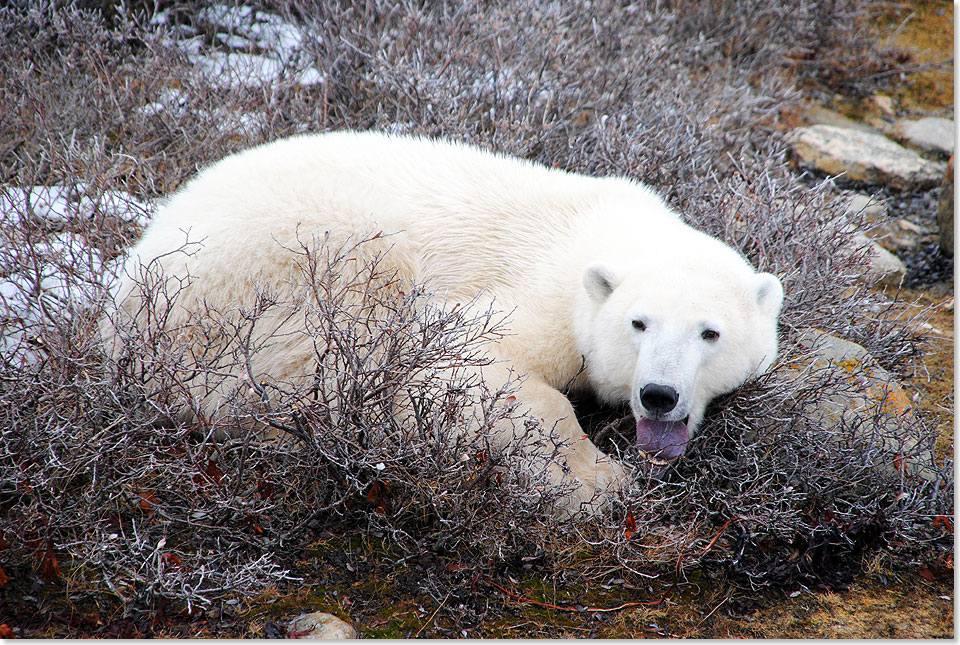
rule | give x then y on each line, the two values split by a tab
147	500
49	567
631	524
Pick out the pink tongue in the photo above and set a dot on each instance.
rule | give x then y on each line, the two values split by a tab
662	439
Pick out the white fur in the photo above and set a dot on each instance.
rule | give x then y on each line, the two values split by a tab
576	259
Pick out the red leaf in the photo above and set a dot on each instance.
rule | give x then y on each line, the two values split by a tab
49	568
173	561
898	462
631	524
147	500
6	632
943	520
3	577
264	489
213	472
378	495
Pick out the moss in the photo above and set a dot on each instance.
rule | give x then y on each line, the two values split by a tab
927	34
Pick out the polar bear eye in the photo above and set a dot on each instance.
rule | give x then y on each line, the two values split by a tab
710	334
638	325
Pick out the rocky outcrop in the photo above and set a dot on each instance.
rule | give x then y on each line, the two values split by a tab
932	134
863	156
885	268
870	401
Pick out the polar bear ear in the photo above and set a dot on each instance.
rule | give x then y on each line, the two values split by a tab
769	294
600	280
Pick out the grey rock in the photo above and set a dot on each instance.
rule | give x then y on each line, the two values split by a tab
871	402
872	212
945	211
929	133
885	267
863	156
871	208
883	103
320	625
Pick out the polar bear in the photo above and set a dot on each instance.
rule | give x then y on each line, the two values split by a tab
605	287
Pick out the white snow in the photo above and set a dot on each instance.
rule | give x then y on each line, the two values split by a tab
233	70
278	45
225	120
59	204
50	278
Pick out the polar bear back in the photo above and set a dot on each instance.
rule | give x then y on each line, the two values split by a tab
464	220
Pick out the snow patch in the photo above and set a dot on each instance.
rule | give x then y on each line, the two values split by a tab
46	281
62	203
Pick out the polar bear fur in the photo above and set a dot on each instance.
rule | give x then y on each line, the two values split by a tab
596	272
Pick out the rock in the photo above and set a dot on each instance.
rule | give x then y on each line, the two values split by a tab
883	103
933	134
879	227
907	225
885	268
894	235
871	399
945	211
863	156
320	625
873	209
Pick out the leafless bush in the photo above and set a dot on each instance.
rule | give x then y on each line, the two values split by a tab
392	431
103	480
830	41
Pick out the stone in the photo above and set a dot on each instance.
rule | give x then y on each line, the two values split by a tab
871	398
945	211
873	209
933	134
883	103
320	625
907	225
894	235
885	268
863	156
874	216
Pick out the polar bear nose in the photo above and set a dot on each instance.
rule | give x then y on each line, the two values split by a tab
657	398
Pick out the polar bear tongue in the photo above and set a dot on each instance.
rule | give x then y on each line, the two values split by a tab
662	439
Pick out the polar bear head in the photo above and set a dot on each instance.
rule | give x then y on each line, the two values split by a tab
671	328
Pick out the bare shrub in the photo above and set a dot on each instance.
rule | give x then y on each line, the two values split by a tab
392	432
105	483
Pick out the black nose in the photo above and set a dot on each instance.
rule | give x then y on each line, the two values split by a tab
658	398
